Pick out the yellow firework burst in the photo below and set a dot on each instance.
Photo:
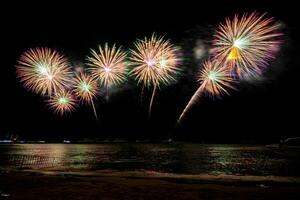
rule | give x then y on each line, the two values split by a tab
62	102
85	88
247	43
155	61
214	78
43	71
108	65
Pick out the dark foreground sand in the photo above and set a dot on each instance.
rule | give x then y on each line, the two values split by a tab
37	186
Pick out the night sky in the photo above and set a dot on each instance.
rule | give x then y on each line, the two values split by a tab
261	111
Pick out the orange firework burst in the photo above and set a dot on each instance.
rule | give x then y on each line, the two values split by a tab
85	88
44	71
62	102
214	78
247	44
155	62
108	66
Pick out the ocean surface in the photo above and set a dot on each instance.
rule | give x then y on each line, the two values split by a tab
181	158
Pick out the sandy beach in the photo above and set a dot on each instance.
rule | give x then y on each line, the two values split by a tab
132	185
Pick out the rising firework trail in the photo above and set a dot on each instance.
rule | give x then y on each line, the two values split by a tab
155	63
44	71
85	88
247	44
214	78
108	66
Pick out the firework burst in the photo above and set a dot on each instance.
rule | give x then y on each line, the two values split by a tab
214	78
108	65
62	102
155	62
85	88
43	71
247	43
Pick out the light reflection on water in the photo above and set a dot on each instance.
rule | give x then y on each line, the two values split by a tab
175	158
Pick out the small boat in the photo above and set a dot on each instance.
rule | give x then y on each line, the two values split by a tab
6	141
289	147
168	140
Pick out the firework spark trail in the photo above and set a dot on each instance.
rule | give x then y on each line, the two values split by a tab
151	102
213	78
107	94
247	44
142	94
155	62
192	101
108	66
62	102
94	109
85	88
44	71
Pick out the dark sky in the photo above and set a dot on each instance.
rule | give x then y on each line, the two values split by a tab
262	111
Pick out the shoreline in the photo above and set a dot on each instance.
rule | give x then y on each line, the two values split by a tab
207	178
31	184
158	175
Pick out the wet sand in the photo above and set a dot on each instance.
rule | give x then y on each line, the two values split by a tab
132	186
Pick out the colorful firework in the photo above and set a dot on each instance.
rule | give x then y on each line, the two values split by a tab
108	65
43	71
155	62
247	44
214	78
85	88
62	102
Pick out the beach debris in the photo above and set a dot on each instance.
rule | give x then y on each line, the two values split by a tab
4	194
263	186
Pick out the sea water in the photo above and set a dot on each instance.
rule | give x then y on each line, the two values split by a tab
181	158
